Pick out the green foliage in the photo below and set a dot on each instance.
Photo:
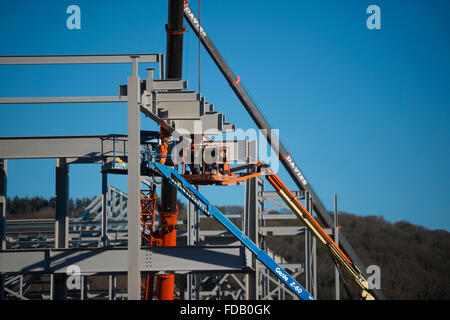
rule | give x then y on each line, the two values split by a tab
38	207
414	261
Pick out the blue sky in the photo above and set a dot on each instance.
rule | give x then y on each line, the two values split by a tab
364	112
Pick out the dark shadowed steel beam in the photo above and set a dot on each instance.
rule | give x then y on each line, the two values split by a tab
174	45
174	54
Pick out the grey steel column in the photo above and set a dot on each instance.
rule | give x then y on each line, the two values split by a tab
251	230
3	198
190	242
260	210
196	238
312	255
59	290
192	227
314	267
193	280
2	222
134	184
263	283
112	287
336	240
104	235
84	288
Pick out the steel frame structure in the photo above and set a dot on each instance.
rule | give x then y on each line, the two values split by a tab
85	235
99	240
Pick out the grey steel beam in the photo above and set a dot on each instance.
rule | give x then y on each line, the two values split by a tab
282	231
114	260
299	267
46	100
287	231
89	146
169	84
273	195
77	59
229	216
147	107
179	96
134	185
277	216
86	148
42	225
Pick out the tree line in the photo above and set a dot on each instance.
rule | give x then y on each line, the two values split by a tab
414	261
34	205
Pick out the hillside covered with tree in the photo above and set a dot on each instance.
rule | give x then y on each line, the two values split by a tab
414	261
39	207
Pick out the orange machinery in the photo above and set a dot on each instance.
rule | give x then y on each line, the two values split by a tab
214	169
219	172
211	166
165	235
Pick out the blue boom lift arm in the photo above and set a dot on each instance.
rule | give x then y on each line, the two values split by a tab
208	209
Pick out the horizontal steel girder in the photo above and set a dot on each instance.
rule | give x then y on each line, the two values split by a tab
87	148
114	260
55	147
78	59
